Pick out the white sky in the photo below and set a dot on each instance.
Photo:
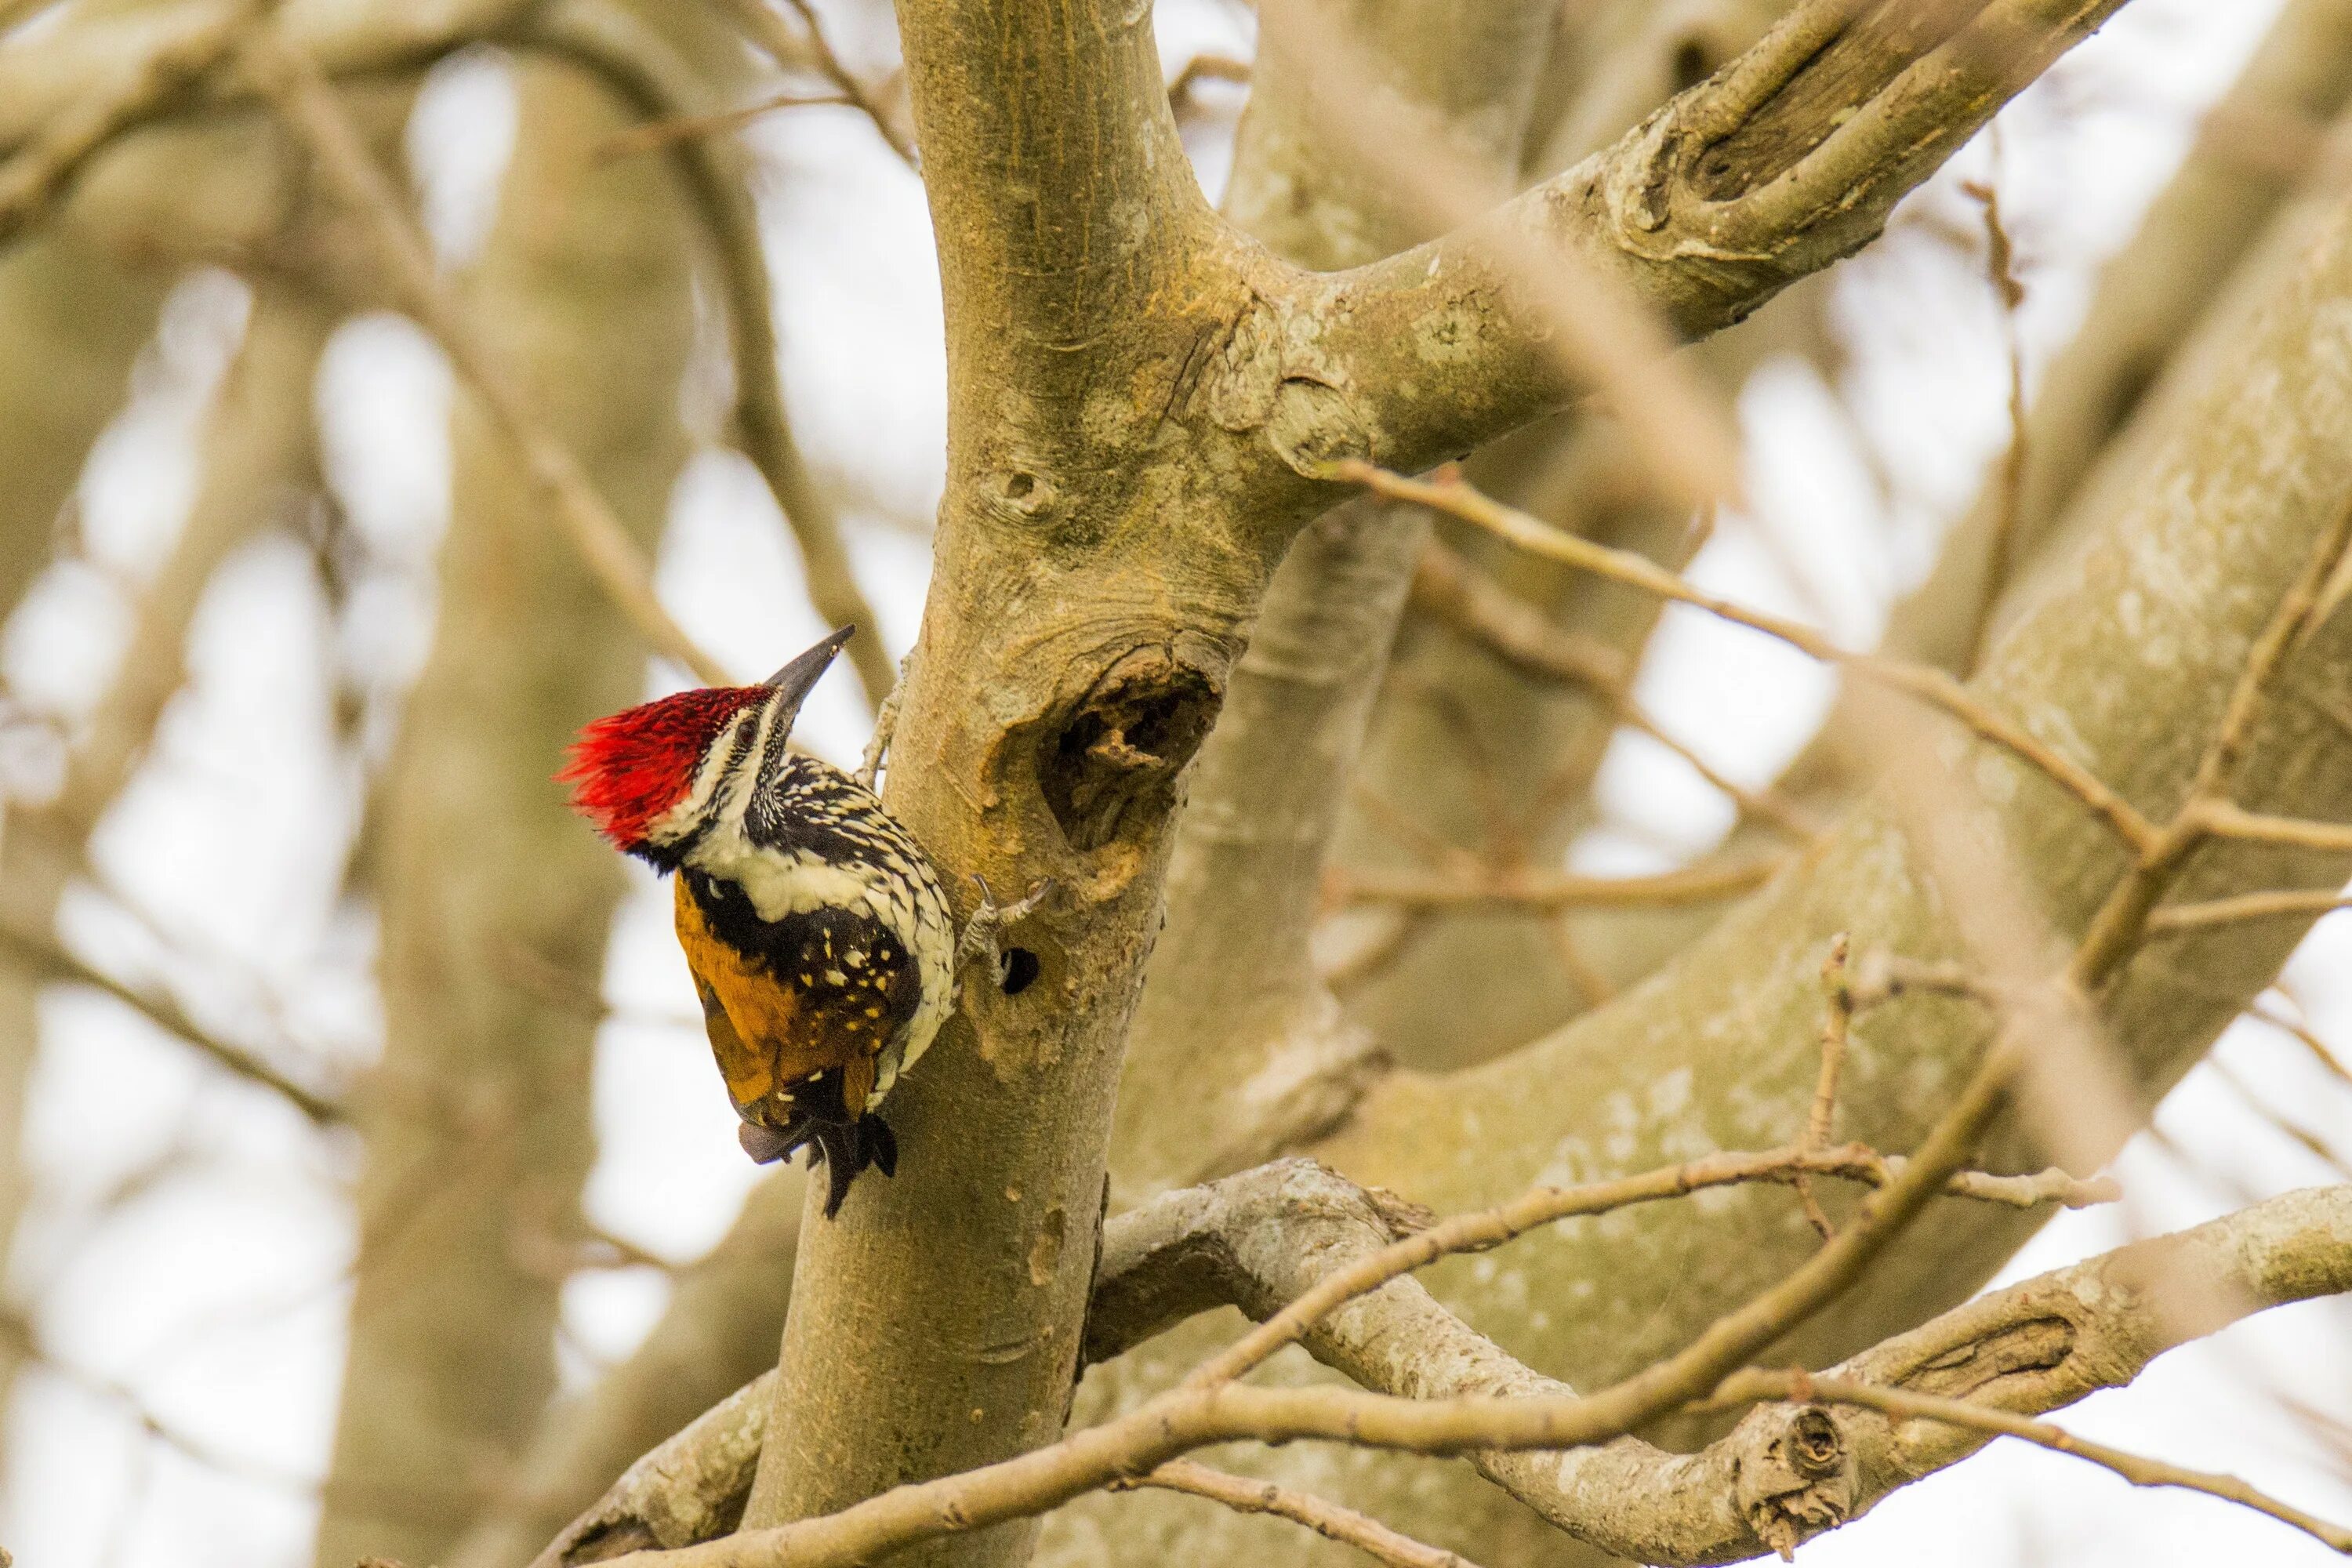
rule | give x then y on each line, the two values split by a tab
190	1234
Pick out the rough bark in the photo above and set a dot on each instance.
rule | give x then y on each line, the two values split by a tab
1260	1240
1141	409
2203	256
1452	1512
495	903
1072	652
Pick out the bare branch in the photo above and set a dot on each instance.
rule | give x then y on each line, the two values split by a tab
1205	68
690	1488
306	103
2008	510
1787	1472
1823	1119
1929	685
766	29
660	133
1548	894
34	179
1785	161
2303	902
52	959
1328	1520
2223	820
2136	1469
630	60
1448	585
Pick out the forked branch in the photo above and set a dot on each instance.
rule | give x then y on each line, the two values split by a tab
1279	1235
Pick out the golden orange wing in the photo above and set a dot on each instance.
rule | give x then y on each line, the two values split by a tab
730	1000
762	1029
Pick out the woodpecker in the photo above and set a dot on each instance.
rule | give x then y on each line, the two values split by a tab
820	940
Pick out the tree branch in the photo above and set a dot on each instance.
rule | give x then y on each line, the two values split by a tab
1328	1520
1928	684
1271	1238
300	92
2140	1471
766	29
1237	1026
629	59
1786	161
1710	1054
1694	884
159	77
1081	624
1290	1243
53	962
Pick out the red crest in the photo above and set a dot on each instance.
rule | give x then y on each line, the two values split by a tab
627	769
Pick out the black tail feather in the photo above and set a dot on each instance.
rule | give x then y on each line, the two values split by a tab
846	1149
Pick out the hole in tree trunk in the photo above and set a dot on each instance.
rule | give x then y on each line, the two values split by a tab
1110	767
1021	970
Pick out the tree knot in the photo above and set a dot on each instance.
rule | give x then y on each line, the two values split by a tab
1796	1476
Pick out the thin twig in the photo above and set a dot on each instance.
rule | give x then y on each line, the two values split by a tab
1326	1518
2000	259
1488	1228
2247	907
1822	1118
1446	584
2224	820
54	961
766	29
1934	687
1887	976
1764	805
2122	921
296	88
1906	1405
1201	69
19	1331
658	133
715	177
1203	1412
2303	1035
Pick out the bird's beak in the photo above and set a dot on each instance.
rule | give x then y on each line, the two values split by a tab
795	679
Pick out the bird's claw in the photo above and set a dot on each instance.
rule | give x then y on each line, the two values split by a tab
980	933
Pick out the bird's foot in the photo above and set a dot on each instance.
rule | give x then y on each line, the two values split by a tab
980	933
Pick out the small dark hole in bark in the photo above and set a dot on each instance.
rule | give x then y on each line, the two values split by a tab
1693	64
1021	970
1020	487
